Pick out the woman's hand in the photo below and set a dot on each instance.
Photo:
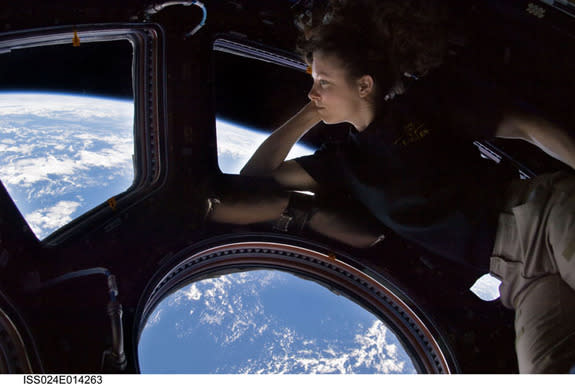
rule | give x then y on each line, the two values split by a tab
310	109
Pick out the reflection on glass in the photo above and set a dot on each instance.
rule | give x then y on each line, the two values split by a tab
64	154
266	322
486	288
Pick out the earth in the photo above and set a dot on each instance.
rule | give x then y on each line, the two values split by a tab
64	154
266	322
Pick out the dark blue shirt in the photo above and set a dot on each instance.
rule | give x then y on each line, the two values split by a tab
416	169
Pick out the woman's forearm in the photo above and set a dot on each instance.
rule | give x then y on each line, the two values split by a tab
553	140
359	232
255	208
345	225
273	151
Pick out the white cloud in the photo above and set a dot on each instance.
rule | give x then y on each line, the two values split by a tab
48	219
239	143
56	145
193	293
230	309
155	318
26	172
372	350
219	305
64	107
106	158
376	352
21	150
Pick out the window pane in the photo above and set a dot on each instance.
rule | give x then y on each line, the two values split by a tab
65	148
266	322
237	143
249	107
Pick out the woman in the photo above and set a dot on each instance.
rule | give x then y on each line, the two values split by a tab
409	160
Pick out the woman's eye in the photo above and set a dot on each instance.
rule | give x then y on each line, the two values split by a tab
323	83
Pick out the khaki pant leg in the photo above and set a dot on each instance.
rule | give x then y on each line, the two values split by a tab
545	327
533	257
561	230
522	253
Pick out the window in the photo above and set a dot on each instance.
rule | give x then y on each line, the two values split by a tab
281	84
266	321
238	142
70	133
269	307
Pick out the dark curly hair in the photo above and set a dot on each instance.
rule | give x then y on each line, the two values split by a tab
382	38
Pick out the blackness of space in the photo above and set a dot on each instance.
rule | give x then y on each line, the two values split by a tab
95	69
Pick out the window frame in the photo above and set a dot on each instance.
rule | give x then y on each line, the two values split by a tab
252	50
420	338
148	84
242	47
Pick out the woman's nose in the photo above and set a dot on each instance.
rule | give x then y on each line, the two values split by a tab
312	94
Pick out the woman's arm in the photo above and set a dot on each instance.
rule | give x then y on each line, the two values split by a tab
553	140
273	151
346	225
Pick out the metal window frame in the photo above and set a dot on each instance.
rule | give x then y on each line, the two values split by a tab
148	80
417	333
252	50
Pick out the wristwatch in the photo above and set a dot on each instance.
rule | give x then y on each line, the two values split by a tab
297	213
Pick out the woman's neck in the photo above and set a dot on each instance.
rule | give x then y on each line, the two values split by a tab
364	117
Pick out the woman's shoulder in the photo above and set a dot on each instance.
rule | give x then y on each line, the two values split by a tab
462	98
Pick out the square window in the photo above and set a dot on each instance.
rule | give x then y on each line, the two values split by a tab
257	88
69	129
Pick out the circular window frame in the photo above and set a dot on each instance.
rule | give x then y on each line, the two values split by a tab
421	340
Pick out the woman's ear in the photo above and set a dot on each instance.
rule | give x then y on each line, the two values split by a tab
365	86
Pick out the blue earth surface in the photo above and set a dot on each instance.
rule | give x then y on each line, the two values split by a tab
266	322
64	154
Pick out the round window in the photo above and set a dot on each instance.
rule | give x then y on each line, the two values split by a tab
266	307
266	321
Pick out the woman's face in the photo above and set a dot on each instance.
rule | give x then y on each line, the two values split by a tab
337	98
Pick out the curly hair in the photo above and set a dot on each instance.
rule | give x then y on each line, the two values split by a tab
382	38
